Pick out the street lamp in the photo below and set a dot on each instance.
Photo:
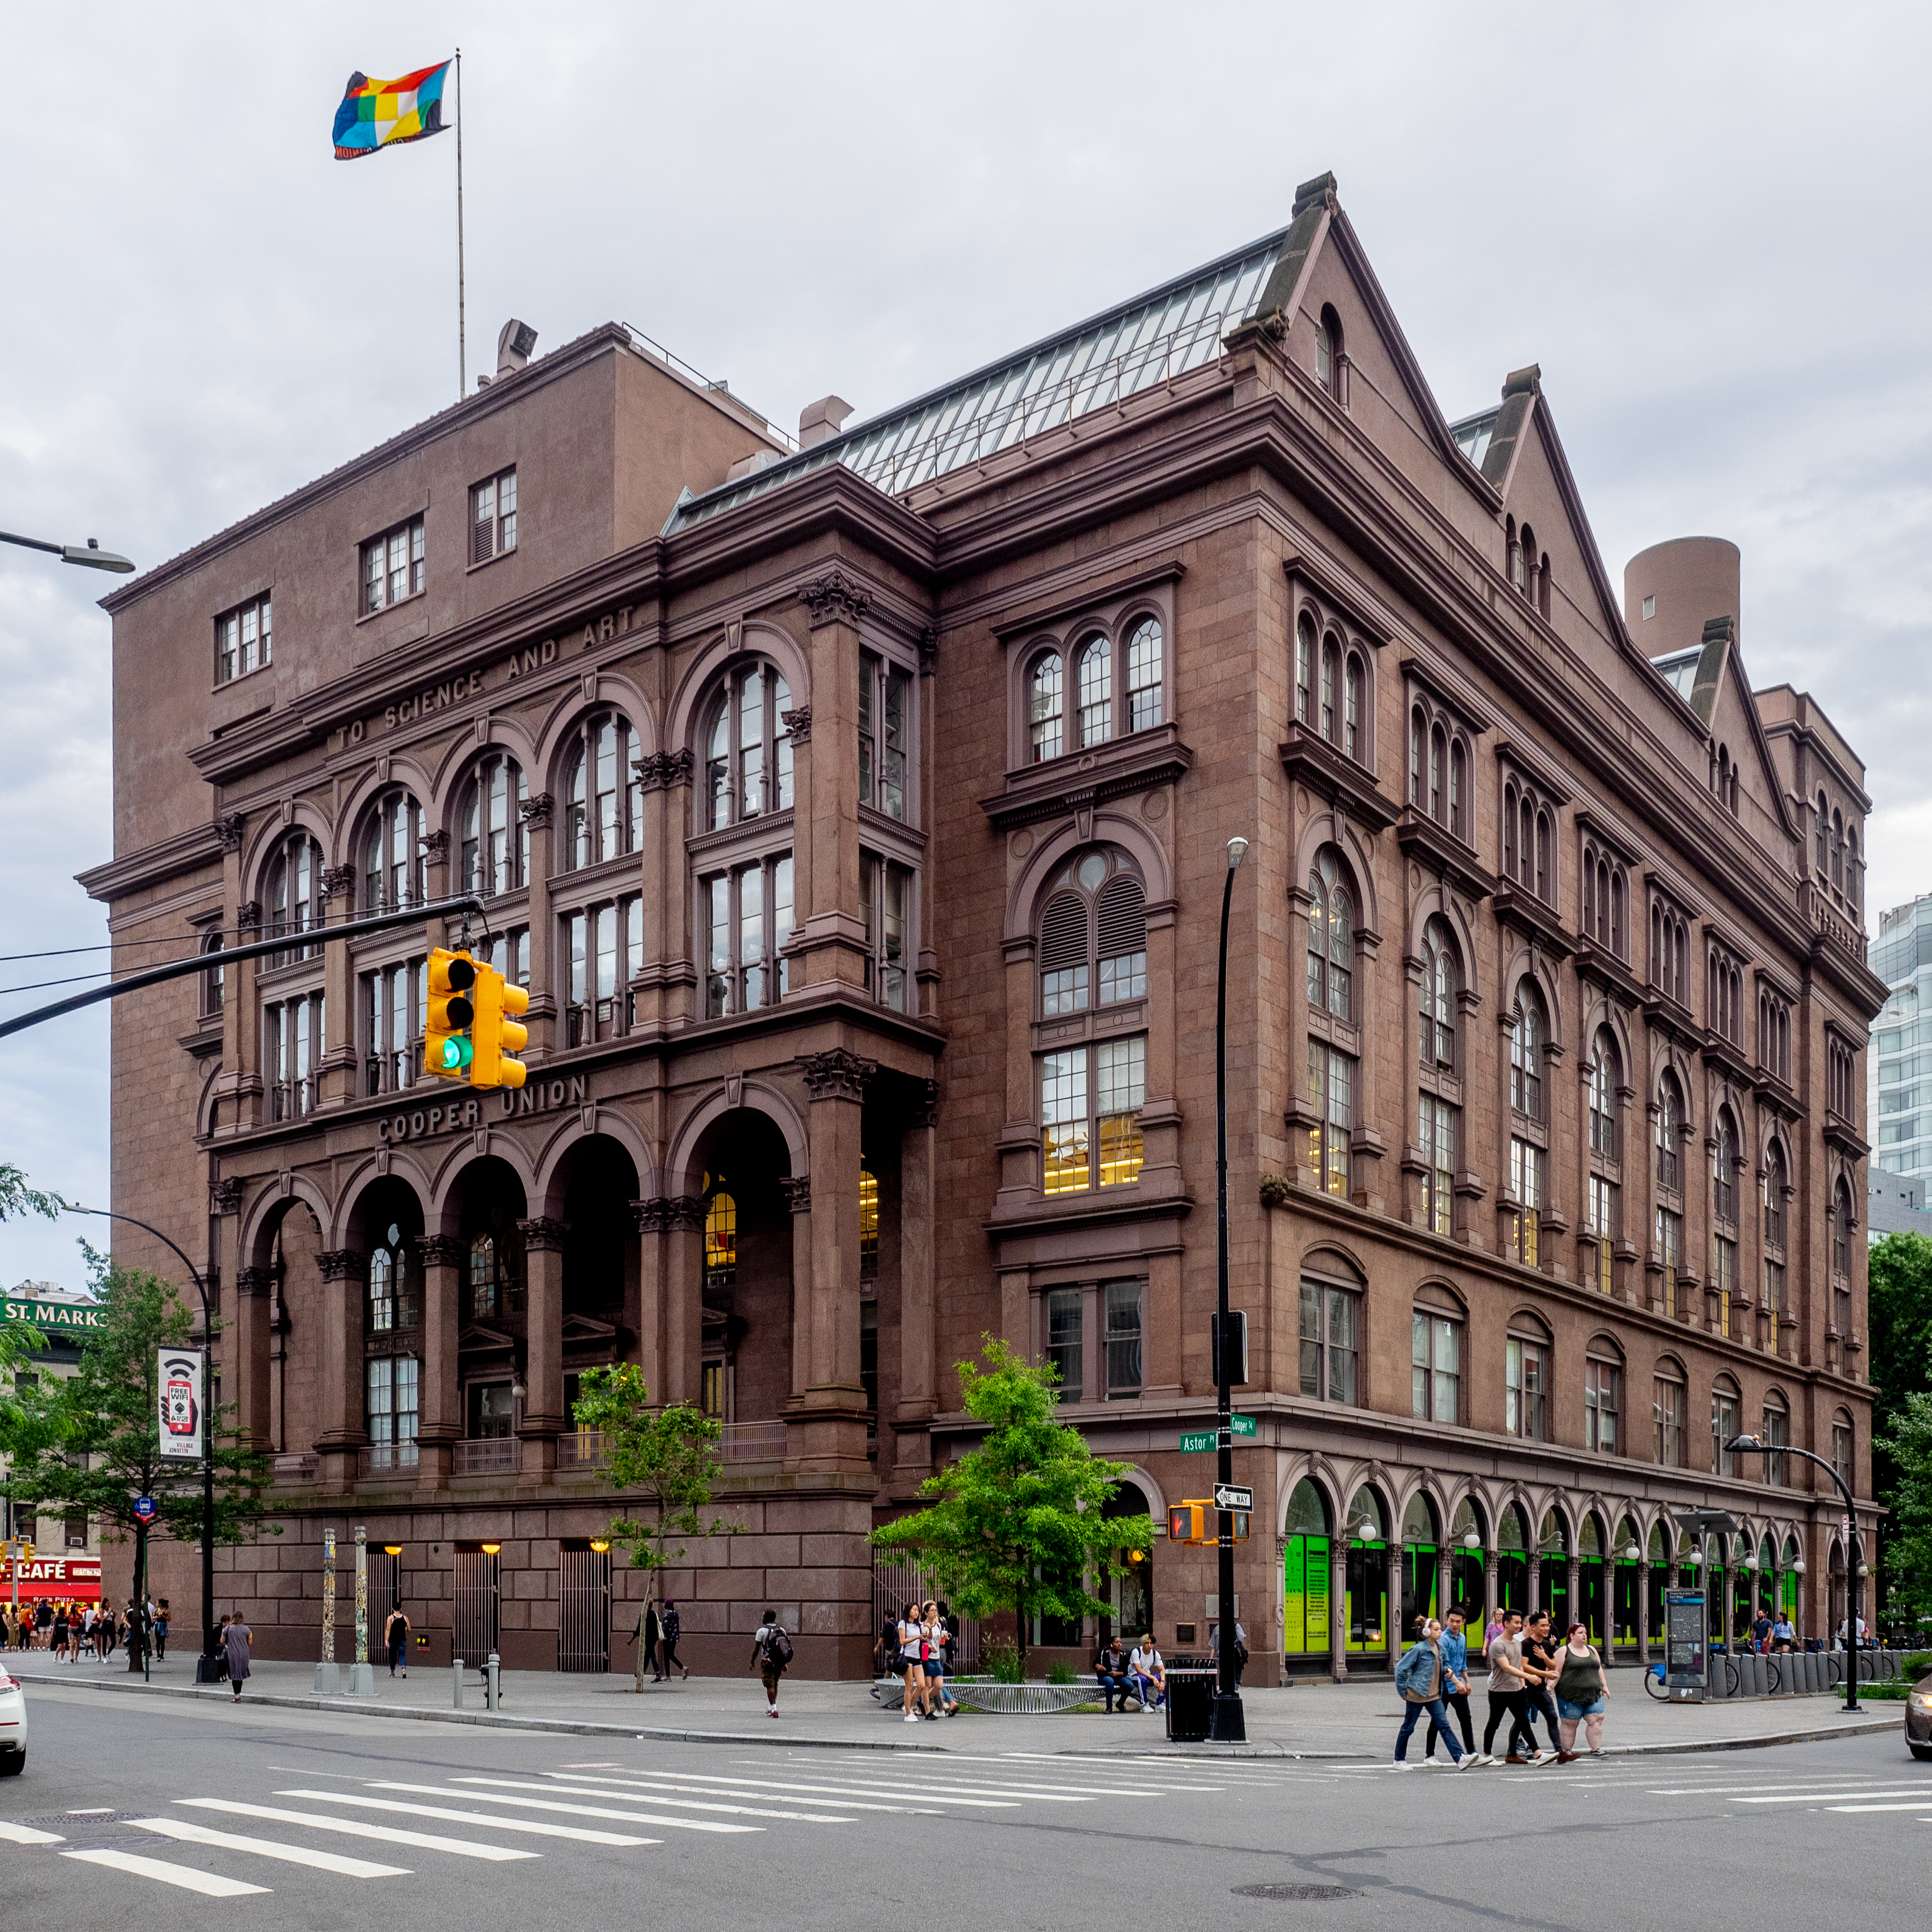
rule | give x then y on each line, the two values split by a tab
1472	1539
1229	1724
1855	1567
208	1670
89	555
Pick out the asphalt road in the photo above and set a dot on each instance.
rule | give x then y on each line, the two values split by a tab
179	1815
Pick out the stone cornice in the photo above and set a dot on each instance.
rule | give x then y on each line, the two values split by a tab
150	866
1338	780
1079	780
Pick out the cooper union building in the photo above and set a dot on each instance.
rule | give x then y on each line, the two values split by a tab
855	809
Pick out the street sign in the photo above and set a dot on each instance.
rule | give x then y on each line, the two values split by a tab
1684	1639
1233	1496
1243	1425
146	1508
1201	1441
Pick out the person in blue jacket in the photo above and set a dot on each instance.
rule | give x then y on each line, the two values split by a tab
1419	1677
1454	1650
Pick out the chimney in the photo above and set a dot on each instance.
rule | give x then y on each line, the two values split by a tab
821	420
514	341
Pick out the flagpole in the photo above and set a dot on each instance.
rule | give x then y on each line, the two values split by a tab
462	335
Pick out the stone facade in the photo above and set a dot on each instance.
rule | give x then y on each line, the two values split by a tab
869	907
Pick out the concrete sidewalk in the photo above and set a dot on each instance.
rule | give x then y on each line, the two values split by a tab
1321	1720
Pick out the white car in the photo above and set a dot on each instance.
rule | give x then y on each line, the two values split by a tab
12	1725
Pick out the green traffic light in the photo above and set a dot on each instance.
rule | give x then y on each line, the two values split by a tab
457	1053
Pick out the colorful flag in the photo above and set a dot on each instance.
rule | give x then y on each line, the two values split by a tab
380	113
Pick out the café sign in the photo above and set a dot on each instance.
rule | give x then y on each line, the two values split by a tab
69	1579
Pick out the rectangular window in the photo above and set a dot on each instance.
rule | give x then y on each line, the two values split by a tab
492	1411
1436	1369
74	1529
1122	977
1841	1454
1331	1086
1526	1370
1776	1436
604	947
391	998
711	1390
1438	1165
1775	1291
1122	1303
1526	1184
885	713
1601	1206
1088	1105
1063	1122
243	639
392	566
493	518
1066	1319
391	1415
1725	1272
294	1040
748	920
1603	1397
886	900
1328	1323
1668	1240
1122	1068
214	981
1669	1411
1724	1428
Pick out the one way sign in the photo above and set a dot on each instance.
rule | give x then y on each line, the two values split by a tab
1232	1496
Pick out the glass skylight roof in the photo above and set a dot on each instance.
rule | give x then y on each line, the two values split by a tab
1679	669
1138	346
1472	435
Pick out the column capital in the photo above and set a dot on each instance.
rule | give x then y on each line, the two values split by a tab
224	1197
228	832
835	598
663	770
339	882
536	811
923	1111
838	1074
343	1264
254	1284
440	1250
659	1216
435	847
542	1235
798	723
797	1191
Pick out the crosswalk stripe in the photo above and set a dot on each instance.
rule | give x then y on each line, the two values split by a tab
583	1835
26	1835
1848	1785
617	1785
354	1828
681	1805
1923	1805
1840	1796
210	1885
572	1811
924	1796
270	1848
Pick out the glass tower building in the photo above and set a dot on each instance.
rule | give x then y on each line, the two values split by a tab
1901	1090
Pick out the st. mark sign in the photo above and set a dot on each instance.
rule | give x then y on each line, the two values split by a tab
53	1317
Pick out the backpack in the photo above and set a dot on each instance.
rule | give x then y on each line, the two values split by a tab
777	1646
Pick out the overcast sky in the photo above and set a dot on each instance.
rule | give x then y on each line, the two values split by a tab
1708	224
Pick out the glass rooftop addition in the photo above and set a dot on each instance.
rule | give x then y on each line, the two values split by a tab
1678	669
1472	435
1142	344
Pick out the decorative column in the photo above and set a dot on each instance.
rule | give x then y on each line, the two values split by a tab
336	1074
1535	1580
339	1313
545	1002
1338	1609
651	1218
440	1425
918	1155
1643	1610
828	1429
664	995
1492	1603
253	1288
1445	1581
543	1418
831	941
797	1189
1573	1601
683	1299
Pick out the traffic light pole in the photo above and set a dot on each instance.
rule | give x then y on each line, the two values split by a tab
1229	1724
178	969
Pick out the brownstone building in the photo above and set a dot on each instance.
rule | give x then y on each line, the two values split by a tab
856	812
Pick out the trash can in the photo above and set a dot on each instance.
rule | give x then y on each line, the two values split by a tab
1190	1705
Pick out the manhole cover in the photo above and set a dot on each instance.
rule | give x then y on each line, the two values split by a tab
91	1828
1295	1891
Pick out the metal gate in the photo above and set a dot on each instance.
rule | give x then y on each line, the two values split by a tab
897	1581
478	1591
385	1594
583	1608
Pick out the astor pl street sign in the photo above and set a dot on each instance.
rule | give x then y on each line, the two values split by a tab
1201	1442
1233	1496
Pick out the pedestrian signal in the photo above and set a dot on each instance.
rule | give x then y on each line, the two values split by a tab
498	1033
447	1048
1201	1523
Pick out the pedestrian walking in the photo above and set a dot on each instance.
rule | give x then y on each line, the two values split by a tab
60	1635
648	1633
672	1626
912	1664
1240	1647
1454	1649
1582	1692
1419	1677
1507	1688
771	1652
235	1642
936	1663
396	1634
1539	1670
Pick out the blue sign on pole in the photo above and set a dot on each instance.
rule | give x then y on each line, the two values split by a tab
146	1508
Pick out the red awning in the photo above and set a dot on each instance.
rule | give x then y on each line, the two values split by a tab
61	1579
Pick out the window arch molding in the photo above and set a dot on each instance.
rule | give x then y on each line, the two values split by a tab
1532	1045
1026	897
488	827
1324	831
1436	903
1530	825
269	852
1323	1488
445	779
698	684
1604	895
1333	910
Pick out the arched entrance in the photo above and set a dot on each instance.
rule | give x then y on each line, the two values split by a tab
492	1315
1590	1578
595	1186
1305	1580
1512	1562
1552	1550
1131	1594
1628	1573
1421	1563
1369	1631
1467	1590
385	1227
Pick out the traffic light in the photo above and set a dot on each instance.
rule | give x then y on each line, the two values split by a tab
447	1048
1201	1523
498	1035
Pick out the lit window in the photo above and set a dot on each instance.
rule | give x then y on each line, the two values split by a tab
1078	1113
392	566
1437	1139
868	1225
1331	1081
1526	1184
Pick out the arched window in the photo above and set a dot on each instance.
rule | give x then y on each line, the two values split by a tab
1146	676
1352	742
1821	826
1542	837
1095	673
1841	1232
1331	667
1438	745
1331	939
747	751
1304	671
392	854
1459	822
1667	1399
1436	1324
1724	1169
1526	562
1307	1568
1838	851
1418	737
1670	1130
1852	867
1330	1330
1775	1181
1775	1434
392	1292
496	853
720	1242
1526	1367
1726	1406
603	793
1093	934
1328	350
1441	978
1602	1397
1605	1069
294	896
1045	703
486	1284
1529	1033
1512	552
1843	1444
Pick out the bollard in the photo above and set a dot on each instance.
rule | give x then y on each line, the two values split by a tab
456	1680
493	1683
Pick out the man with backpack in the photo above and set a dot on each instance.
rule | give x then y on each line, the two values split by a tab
771	1652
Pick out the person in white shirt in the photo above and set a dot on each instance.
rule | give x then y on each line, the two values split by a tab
1148	1674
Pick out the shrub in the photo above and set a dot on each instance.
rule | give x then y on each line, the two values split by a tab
1061	1673
1000	1661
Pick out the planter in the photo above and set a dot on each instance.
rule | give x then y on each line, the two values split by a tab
1018	1699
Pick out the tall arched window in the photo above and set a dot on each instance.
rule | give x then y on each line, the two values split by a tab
1304	671
1093	934
294	895
1439	1113
1603	1207
1331	939
1776	1437
1838	851
1726	1410
1439	748
1668	1407
1529	1032
603	794
1841	1259
1147	675
1331	666
1724	1169
496	853
1441	982
1852	867
1418	738
1045	706
392	1287
1605	1068
1667	1239
1821	828
1352	739
1670	1130
1095	670
748	758
392	854
1459	822
1328	352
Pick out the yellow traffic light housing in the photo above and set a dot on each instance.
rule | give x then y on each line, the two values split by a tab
1201	1523
498	1033
448	1049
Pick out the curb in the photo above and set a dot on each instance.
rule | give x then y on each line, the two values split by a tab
587	1727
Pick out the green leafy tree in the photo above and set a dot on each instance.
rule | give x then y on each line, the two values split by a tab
18	1339
1908	1449
1900	1323
1015	1523
91	1442
667	1456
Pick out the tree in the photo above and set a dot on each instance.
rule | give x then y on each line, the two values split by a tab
669	1456
17	1339
91	1442
1908	1448
1900	1302
1015	1524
